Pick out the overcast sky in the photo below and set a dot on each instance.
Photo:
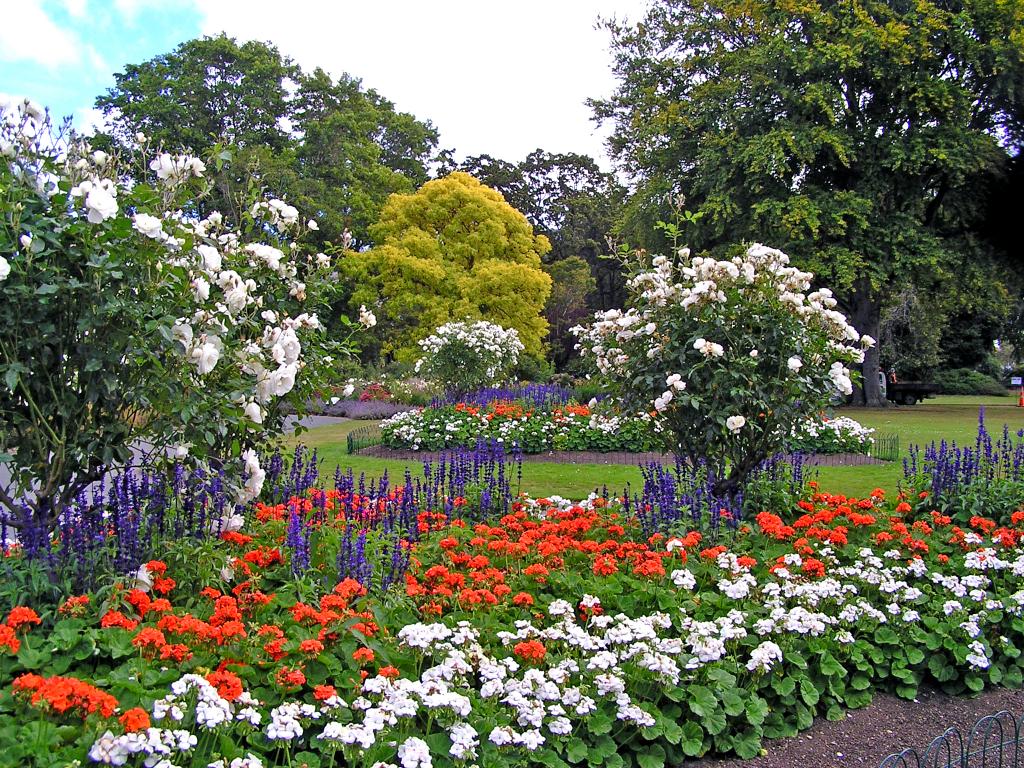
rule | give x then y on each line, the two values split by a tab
502	78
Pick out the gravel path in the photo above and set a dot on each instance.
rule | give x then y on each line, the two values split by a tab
865	737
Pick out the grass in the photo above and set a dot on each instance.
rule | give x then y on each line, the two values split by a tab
952	417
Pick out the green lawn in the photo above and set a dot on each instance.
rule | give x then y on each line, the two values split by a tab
944	417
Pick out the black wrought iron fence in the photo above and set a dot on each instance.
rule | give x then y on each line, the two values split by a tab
886	447
364	437
993	742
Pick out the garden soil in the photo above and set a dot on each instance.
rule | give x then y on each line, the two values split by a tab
865	737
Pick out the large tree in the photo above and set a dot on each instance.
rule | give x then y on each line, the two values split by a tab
454	250
328	146
846	133
571	201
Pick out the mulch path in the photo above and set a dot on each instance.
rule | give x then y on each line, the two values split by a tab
865	737
612	457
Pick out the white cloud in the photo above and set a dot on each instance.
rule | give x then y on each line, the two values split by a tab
28	34
75	8
88	120
500	78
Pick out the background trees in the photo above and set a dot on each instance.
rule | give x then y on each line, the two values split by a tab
329	146
852	135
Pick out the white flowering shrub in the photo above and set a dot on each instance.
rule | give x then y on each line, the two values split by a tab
463	357
726	356
130	322
837	435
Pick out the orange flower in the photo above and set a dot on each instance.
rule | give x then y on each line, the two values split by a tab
135	719
8	639
363	655
149	639
324	692
74	606
290	678
605	565
117	619
228	684
531	650
523	598
388	671
22	615
311	647
65	694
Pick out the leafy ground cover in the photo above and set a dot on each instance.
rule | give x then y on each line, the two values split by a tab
446	623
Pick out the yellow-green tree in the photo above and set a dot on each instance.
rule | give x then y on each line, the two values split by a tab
453	250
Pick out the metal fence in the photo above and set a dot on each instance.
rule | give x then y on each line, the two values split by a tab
993	742
364	437
886	447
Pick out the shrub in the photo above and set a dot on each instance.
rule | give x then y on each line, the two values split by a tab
729	355
462	357
964	381
132	315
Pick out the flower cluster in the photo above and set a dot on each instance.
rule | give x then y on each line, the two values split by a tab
467	356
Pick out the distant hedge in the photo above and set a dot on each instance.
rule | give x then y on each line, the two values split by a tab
964	381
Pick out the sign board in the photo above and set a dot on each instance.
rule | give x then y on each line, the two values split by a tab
1016	381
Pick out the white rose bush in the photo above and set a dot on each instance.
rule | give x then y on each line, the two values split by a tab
136	319
725	356
463	357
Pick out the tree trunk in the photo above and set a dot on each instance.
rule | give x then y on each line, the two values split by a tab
866	317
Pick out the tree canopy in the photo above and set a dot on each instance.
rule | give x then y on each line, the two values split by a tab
328	146
571	201
849	134
453	250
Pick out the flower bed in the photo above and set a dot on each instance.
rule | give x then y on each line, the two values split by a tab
419	624
533	427
537	425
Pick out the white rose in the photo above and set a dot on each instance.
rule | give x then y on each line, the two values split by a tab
205	356
254	413
26	241
201	286
795	364
212	261
366	317
735	423
5	268
101	204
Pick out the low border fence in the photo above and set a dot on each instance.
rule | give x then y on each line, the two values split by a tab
886	447
364	437
993	742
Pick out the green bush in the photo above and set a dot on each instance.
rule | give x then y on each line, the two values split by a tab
964	381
